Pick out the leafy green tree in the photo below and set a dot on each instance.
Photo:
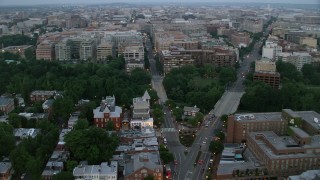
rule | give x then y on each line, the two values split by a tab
177	112
158	116
227	75
216	147
110	126
7	139
71	165
93	144
61	109
30	54
65	175
165	155
81	124
220	135
19	158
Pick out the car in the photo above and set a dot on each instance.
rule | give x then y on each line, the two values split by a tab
200	162
175	162
204	142
23	175
206	125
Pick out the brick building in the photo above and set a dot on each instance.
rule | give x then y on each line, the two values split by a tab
107	111
6	105
240	39
265	71
141	165
45	51
240	124
41	95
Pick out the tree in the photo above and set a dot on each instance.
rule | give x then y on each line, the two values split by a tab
19	158
110	126
81	124
65	175
93	144
7	139
165	155
216	147
221	136
29	54
61	109
71	165
227	75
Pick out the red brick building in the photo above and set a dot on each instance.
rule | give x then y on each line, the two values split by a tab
41	95
273	79
107	111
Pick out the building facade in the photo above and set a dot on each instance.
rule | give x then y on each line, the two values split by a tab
107	111
45	51
6	105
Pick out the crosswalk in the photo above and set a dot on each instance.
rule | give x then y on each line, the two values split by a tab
168	130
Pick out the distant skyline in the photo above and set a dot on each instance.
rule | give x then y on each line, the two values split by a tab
39	2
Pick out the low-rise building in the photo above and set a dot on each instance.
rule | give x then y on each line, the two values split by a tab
133	64
252	25
6	104
141	106
6	170
140	165
107	111
18	49
22	133
190	111
103	171
39	95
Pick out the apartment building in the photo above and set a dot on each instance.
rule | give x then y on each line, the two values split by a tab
299	59
104	49
252	25
175	58
63	50
6	104
309	41
265	71
97	172
133	52
271	49
87	50
240	39
45	51
107	111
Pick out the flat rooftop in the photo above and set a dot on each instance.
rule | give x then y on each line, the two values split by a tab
309	117
272	116
283	143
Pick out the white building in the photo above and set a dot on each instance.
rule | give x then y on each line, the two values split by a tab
299	59
148	122
97	172
271	50
133	52
141	107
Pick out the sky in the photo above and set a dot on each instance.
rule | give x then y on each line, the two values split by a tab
34	2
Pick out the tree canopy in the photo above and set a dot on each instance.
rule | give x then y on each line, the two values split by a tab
94	144
299	91
201	86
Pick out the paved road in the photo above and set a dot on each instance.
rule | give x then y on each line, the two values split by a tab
156	78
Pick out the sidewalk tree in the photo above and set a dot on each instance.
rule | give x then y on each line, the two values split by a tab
216	147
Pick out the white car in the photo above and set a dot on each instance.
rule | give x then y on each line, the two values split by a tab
204	142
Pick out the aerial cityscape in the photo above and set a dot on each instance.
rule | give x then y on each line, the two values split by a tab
159	90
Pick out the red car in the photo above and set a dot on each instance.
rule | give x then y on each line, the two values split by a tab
175	162
200	162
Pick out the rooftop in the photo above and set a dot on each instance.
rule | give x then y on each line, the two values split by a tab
4	167
272	116
5	101
103	169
